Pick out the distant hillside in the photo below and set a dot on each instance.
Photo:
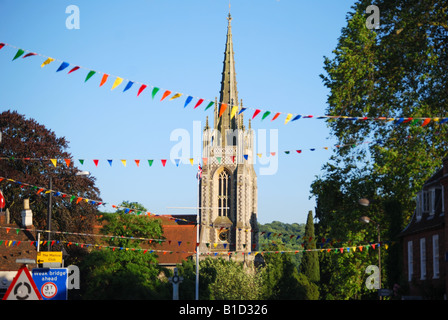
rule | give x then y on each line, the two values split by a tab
279	236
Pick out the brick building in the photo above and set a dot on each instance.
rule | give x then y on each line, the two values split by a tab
16	244
425	240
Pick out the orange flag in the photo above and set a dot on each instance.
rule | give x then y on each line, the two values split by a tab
222	109
165	94
104	79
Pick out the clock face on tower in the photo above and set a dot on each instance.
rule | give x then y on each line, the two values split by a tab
224	235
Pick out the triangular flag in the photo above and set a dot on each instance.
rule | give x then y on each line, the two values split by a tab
140	90
191	161
257	111
154	92
89	75
150	162
117	82
177	95
265	115
62	66
128	86
81	161
233	112
123	161
219	159
241	111
177	162
96	162
163	162
165	94
209	105
188	100
53	161
48	61
296	117
222	109
104	79
425	122
137	162
198	103
73	69
18	54
67	161
276	116
246	156
288	117
29	55
204	161
110	162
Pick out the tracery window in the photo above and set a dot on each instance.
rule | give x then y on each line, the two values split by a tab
223	194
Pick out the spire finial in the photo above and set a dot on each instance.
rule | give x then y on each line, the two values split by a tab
230	17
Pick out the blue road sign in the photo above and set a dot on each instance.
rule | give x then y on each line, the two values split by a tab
51	282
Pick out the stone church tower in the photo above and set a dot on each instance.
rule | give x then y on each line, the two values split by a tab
228	188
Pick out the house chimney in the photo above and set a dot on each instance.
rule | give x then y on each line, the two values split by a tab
27	214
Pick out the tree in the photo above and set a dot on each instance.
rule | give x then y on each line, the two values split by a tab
26	149
310	260
282	281
123	270
397	71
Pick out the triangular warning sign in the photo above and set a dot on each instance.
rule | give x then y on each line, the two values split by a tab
22	287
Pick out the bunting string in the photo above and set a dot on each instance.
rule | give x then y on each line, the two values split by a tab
127	210
150	162
257	112
351	249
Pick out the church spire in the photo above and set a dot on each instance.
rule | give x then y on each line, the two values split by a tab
228	93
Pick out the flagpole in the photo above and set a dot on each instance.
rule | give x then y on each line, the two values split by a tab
197	235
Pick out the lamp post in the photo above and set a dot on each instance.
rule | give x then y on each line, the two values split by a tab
50	205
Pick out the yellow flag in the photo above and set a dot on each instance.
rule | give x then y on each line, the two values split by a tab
53	161
117	83
259	155
191	161
124	162
288	117
233	112
48	61
177	95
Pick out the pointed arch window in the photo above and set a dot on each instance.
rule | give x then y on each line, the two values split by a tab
223	194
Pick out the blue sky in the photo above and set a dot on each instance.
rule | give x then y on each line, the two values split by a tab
176	45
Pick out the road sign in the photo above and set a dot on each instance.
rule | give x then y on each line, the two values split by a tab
51	282
22	287
384	292
49	257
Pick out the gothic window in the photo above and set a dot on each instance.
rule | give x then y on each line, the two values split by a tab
223	194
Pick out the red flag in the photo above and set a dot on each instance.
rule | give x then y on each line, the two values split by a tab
198	103
2	200
256	113
143	87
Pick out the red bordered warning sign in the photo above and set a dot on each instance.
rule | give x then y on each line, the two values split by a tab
22	287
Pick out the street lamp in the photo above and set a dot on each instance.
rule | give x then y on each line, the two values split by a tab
50	205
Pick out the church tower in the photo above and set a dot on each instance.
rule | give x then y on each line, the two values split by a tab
228	188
